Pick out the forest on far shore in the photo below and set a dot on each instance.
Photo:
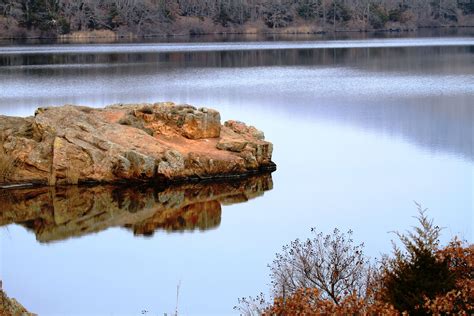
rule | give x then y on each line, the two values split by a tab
52	18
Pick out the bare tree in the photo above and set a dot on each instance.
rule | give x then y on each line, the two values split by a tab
147	17
331	263
277	13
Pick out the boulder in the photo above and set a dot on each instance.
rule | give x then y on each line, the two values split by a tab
128	142
10	306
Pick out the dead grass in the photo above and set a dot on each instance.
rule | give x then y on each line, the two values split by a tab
251	30
302	29
89	34
97	36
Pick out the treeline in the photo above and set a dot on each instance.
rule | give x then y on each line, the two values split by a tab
23	18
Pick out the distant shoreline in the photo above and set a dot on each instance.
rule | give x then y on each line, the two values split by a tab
111	35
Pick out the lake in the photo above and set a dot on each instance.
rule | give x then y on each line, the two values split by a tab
361	129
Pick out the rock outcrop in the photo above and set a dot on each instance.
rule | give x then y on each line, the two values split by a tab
142	142
10	306
61	212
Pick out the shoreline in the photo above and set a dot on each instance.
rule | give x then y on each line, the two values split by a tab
89	35
262	170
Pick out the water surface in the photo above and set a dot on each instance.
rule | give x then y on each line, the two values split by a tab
232	46
360	130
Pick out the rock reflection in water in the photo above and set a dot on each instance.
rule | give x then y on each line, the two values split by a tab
63	212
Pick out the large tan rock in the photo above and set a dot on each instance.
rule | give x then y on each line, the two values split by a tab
141	142
189	121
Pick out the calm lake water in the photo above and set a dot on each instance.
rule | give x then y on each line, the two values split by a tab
361	129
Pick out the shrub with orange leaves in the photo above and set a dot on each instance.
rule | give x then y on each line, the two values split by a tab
459	256
460	259
328	275
309	302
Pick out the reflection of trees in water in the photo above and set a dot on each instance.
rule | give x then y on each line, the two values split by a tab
72	211
424	121
440	120
427	59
